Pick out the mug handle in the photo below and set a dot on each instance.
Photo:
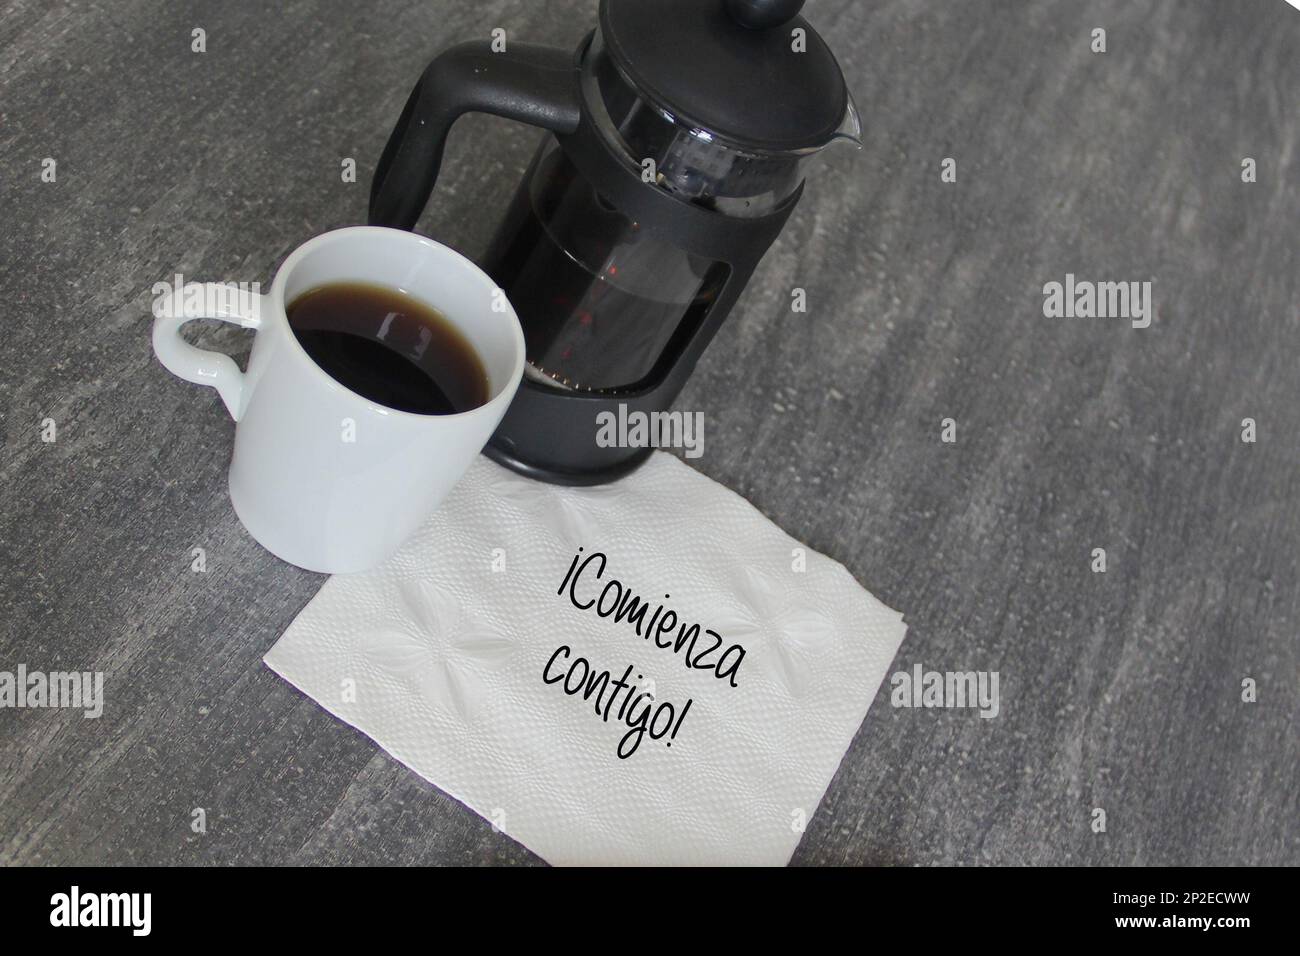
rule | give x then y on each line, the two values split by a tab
197	365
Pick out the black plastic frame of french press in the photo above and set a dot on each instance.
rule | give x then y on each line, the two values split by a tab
550	434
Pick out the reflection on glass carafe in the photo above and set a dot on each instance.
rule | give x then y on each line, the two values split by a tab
602	304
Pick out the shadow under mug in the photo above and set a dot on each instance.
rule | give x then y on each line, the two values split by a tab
321	476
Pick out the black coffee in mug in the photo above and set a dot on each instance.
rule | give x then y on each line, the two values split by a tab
390	348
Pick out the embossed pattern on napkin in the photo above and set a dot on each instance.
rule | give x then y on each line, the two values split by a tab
450	657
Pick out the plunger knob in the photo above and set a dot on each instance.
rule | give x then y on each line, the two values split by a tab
763	14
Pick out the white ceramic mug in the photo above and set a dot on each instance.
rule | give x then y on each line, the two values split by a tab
322	477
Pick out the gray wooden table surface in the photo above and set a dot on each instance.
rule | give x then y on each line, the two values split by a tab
1119	690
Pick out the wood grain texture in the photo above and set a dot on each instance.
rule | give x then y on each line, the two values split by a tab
1119	690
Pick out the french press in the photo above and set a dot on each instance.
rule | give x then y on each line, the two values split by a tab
677	143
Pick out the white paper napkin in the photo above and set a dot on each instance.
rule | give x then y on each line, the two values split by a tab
450	657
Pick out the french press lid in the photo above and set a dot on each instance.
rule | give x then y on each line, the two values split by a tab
752	73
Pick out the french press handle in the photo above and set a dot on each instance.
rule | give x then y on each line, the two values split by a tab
533	84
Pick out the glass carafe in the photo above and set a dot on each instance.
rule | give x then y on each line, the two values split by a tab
677	137
603	302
